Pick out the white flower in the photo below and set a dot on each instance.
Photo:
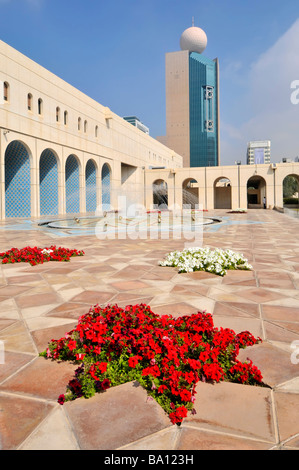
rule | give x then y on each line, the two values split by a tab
204	259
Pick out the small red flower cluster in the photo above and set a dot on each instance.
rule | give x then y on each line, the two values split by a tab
37	255
166	355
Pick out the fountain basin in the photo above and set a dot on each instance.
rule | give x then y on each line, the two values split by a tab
150	221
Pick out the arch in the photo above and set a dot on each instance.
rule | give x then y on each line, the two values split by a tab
222	193
290	187
72	185
48	183
160	193
17	180
91	186
190	193
85	127
106	185
256	191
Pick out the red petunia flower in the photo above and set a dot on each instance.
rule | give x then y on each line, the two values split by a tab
61	399
133	361
72	345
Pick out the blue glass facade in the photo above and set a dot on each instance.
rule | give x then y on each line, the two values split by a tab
48	180
203	105
106	187
72	189
17	181
91	186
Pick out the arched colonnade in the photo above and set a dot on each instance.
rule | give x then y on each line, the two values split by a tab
51	184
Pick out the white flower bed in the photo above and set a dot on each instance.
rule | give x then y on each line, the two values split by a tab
205	259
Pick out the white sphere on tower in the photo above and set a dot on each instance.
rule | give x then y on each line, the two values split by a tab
194	40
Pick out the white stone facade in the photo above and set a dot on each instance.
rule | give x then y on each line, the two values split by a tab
59	149
68	122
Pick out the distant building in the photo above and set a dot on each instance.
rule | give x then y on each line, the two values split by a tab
192	102
258	152
137	123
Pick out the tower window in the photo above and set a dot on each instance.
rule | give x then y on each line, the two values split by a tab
29	102
79	124
57	114
208	104
6	91
96	131
65	119
40	106
85	126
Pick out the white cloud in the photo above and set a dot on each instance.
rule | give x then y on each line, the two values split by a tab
268	100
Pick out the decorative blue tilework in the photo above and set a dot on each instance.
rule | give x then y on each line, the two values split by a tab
72	189
90	187
17	181
48	179
106	186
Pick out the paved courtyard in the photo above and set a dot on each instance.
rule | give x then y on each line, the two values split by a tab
41	303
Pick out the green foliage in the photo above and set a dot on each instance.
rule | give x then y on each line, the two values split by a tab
291	201
290	187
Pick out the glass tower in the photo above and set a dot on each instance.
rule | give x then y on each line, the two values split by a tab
203	109
192	102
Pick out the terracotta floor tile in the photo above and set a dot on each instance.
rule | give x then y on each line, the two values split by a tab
24	280
129	285
127	297
61	269
37	299
227	417
194	439
17	338
281	332
175	309
247	283
277	284
272	312
115	418
70	310
12	291
5	324
198	275
290	327
165	439
260	295
223	309
12	362
43	337
286	405
274	363
42	378
19	417
54	433
224	407
93	297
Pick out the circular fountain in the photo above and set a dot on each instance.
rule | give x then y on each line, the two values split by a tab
132	218
151	221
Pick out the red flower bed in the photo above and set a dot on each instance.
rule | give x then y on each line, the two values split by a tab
37	255
168	356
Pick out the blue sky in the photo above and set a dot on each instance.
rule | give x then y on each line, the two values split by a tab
115	52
